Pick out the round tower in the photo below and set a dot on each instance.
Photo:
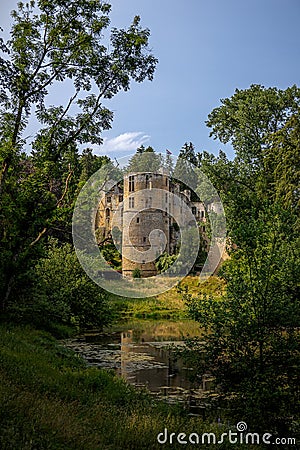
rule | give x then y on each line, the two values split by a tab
145	221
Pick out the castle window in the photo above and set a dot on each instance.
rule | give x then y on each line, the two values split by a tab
194	210
131	183
131	202
120	198
144	239
202	214
147	180
107	213
137	220
108	199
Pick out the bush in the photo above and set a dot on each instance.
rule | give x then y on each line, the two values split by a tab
165	261
63	294
136	273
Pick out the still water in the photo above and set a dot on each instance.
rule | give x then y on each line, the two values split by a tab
143	354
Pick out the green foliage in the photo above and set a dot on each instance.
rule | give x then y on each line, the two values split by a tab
248	118
281	161
187	153
54	43
168	305
144	160
62	293
112	256
165	261
89	164
68	290
136	273
192	239
185	168
251	345
252	341
50	399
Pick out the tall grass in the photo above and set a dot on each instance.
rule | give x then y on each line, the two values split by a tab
51	400
170	304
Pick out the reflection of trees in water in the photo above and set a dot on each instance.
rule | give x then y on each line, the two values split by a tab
158	366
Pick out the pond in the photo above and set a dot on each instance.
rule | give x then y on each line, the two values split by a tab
142	353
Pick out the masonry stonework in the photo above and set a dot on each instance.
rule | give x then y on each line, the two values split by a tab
145	207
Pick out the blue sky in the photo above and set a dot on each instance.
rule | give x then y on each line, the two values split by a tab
206	49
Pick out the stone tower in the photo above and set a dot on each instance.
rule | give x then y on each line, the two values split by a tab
146	221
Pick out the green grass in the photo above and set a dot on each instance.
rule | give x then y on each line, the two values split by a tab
168	305
51	400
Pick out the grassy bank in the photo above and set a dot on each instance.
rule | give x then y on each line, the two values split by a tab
51	400
170	304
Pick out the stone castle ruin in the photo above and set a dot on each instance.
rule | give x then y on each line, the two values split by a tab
142	214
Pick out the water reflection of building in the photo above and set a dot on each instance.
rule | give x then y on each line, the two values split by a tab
126	341
150	364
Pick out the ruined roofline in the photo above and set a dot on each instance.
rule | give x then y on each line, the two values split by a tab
148	172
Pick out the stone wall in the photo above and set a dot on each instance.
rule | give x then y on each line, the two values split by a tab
145	210
144	203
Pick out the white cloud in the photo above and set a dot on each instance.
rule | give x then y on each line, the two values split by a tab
125	142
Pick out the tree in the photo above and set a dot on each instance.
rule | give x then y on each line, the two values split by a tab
185	167
247	118
252	346
187	153
144	160
90	163
254	121
169	163
64	293
281	161
54	43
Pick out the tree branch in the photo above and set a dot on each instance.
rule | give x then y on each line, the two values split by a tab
45	50
59	202
82	126
57	122
41	234
2	174
109	237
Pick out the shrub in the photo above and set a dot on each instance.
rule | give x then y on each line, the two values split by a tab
62	293
136	273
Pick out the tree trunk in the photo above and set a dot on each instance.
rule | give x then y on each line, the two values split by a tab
4	300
